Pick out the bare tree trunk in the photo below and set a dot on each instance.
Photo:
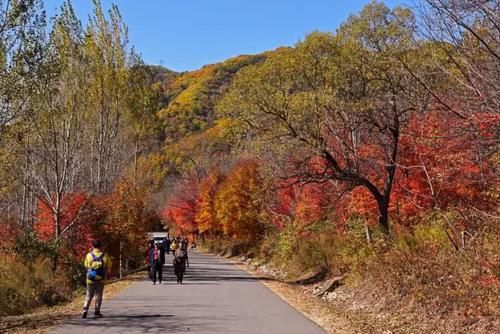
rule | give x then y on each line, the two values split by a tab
53	261
25	188
368	233
92	144
136	153
25	200
383	219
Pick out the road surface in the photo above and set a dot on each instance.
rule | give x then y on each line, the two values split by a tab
216	297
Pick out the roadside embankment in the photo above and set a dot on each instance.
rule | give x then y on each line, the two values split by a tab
44	318
417	282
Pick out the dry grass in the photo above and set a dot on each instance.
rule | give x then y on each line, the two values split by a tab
45	318
416	283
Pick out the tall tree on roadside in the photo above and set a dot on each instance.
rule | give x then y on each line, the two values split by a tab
107	56
206	215
22	37
239	202
143	101
55	144
22	25
335	105
80	94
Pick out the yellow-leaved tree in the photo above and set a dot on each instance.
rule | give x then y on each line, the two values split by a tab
208	223
238	202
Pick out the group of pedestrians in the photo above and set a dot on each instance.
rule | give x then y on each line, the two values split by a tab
98	266
155	258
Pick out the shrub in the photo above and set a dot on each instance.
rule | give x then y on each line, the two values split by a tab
238	247
424	266
29	246
24	286
74	270
231	247
287	243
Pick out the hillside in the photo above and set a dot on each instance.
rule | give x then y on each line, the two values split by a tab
190	97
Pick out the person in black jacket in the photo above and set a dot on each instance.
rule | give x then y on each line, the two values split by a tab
162	247
155	263
167	245
148	261
181	260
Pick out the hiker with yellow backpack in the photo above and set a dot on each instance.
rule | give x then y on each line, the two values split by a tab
174	245
98	265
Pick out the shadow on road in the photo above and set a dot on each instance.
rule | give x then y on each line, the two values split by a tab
137	316
196	307
152	323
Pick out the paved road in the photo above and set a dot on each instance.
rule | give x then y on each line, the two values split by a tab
216	297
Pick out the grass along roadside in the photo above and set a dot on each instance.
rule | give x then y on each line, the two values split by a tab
358	308
333	317
418	282
45	318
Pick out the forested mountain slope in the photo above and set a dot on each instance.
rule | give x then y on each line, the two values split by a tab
190	97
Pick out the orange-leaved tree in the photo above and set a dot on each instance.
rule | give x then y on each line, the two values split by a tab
239	203
126	223
206	215
180	208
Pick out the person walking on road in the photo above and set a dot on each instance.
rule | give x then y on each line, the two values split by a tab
167	245
162	247
184	243
98	265
148	260
155	256
180	261
174	245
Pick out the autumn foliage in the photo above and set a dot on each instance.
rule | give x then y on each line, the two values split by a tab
79	215
372	150
239	202
206	215
227	204
439	169
446	166
180	210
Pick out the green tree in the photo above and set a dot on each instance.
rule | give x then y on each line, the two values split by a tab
143	101
22	39
105	49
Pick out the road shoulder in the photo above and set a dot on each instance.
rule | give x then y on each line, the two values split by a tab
44	319
318	311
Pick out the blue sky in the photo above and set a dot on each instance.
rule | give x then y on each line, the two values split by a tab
187	34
